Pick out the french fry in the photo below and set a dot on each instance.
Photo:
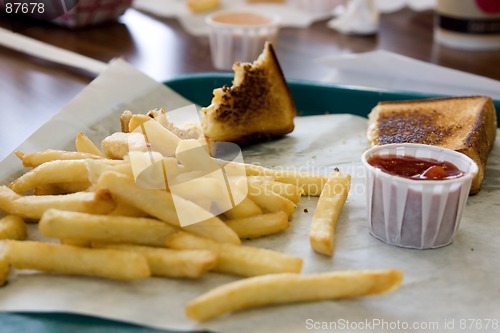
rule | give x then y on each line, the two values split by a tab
239	260
117	145
310	184
4	270
172	263
291	288
46	189
326	215
84	145
194	156
137	120
12	227
61	188
206	188
160	139
69	175
72	260
58	171
35	159
261	225
201	6
269	200
32	207
117	229
95	168
76	242
124	209
244	209
159	203
286	190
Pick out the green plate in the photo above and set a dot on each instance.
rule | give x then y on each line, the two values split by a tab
311	98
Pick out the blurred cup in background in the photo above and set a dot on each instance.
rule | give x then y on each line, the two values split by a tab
239	36
468	24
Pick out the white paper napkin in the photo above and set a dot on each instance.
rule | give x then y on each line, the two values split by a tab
359	17
290	14
362	16
386	70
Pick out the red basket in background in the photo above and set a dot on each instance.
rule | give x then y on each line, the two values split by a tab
81	13
91	12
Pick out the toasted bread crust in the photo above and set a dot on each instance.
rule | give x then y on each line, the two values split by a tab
258	106
465	124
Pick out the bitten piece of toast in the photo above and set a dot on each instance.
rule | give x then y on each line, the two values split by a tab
258	105
464	124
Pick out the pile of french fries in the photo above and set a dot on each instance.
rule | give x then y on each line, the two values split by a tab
102	223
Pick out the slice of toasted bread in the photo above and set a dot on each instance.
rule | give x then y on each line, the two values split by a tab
257	106
465	124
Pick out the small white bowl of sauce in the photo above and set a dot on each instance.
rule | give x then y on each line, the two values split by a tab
416	193
239	36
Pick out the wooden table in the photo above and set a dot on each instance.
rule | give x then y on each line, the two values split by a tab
32	90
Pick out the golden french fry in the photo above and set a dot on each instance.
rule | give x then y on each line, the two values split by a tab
46	189
286	190
124	209
59	171
4	269
38	158
33	206
124	120
205	188
159	138
76	242
61	188
326	215
84	145
310	184
239	260
269	200
172	263
12	227
95	168
69	175
117	145
291	288
261	225
201	6
194	156
246	208
188	175
72	260
159	203
137	120
117	229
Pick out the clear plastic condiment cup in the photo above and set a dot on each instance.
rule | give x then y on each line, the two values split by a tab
420	214
239	36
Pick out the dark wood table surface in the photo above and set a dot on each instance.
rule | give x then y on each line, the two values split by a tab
32	90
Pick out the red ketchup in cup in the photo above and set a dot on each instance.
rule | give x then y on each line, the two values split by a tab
416	168
416	193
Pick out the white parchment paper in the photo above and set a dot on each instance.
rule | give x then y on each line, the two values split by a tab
441	287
